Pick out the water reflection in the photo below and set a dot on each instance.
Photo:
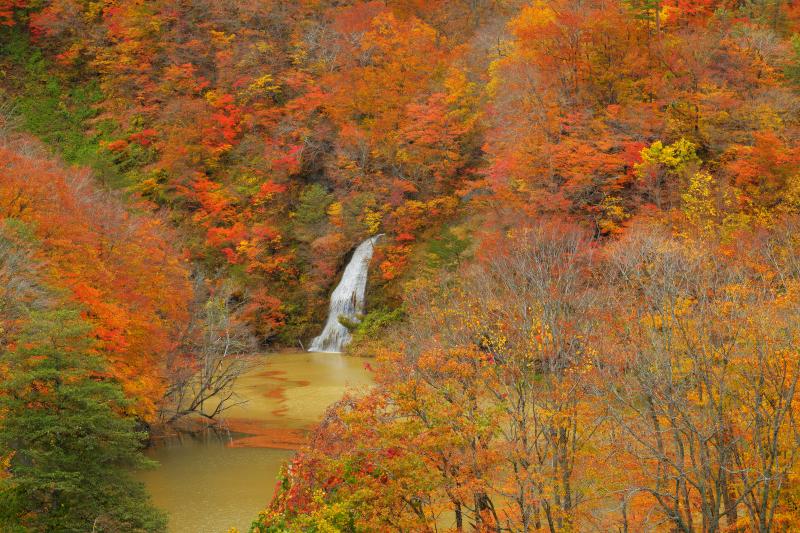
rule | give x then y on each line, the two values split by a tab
214	480
208	487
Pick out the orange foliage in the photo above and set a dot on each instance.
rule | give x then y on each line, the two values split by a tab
120	267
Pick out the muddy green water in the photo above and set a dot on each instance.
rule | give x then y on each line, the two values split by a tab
215	481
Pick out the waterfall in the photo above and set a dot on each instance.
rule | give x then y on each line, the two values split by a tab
347	300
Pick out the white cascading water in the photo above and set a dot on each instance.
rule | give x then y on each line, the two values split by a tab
347	300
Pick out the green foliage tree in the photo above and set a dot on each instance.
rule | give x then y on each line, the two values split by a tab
373	324
792	69
311	214
648	11
70	451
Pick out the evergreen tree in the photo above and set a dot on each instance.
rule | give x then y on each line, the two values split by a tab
69	450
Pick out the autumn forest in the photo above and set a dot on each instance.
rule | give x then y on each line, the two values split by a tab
561	237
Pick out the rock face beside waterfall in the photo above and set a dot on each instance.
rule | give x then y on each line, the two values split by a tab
347	300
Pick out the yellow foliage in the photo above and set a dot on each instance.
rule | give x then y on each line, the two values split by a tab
264	84
532	18
264	47
462	97
372	219
699	204
220	38
211	97
791	196
674	157
5	465
613	214
335	213
93	11
335	209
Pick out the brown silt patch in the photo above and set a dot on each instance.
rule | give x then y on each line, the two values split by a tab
284	439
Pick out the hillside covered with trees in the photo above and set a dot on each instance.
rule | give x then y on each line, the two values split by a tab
584	308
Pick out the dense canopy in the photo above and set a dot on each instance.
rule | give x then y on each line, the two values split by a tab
584	308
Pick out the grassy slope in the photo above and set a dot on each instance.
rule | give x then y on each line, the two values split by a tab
60	112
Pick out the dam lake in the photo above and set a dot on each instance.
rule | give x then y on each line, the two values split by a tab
217	479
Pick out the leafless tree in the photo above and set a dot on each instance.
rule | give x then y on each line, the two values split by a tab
529	308
701	382
202	378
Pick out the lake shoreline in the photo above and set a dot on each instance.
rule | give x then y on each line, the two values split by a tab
220	475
